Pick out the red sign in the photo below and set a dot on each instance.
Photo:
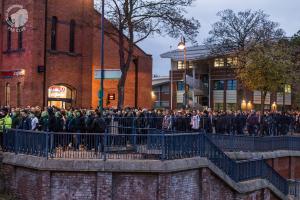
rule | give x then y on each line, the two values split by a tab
12	73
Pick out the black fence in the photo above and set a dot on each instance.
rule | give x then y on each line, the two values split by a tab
255	144
157	145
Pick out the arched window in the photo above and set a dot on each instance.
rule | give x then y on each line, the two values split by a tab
18	94
20	40
53	32
72	36
7	94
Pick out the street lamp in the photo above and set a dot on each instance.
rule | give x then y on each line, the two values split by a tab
182	47
101	92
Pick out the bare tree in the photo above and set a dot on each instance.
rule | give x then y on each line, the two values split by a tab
239	32
136	20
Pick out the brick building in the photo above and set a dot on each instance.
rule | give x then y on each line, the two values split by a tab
212	83
72	57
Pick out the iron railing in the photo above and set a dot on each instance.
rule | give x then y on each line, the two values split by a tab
255	144
154	144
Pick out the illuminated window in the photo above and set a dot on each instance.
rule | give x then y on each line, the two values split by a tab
180	64
218	106
232	61
288	89
219	62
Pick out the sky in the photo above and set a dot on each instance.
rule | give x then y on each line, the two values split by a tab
285	12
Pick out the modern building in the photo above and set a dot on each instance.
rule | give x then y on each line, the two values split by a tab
57	64
161	95
211	82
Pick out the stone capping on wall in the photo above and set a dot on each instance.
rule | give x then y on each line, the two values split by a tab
135	166
262	155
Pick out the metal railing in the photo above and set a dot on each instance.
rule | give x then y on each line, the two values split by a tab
254	143
156	145
294	189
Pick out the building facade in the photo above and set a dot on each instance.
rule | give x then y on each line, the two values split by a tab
56	64
212	83
161	92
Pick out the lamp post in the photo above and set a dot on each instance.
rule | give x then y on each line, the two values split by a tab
102	59
182	46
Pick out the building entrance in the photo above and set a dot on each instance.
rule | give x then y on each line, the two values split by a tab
61	96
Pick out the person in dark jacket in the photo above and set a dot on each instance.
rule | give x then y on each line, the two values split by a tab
26	121
98	127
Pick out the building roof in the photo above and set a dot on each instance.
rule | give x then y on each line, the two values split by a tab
160	80
192	53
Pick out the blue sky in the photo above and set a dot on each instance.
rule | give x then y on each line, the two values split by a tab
286	12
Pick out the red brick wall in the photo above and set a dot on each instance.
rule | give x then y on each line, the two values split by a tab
288	167
73	70
29	184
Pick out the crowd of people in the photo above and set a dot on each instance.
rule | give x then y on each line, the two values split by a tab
52	119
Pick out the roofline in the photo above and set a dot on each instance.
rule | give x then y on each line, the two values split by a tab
98	13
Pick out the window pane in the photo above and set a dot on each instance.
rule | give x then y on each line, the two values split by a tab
231	85
219	62
180	86
219	85
288	89
231	61
180	65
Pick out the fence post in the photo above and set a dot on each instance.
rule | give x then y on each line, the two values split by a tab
51	144
134	132
47	145
16	142
104	144
163	146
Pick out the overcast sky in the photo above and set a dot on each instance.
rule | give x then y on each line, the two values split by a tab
286	12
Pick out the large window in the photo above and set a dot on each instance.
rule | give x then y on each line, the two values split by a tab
232	61
219	62
231	85
72	36
219	85
180	64
288	89
18	94
53	33
7	94
218	106
180	86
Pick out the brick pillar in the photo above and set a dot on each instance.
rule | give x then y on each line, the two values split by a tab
163	183
45	185
9	173
266	194
205	184
292	167
104	186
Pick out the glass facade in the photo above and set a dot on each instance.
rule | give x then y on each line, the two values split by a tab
219	85
231	85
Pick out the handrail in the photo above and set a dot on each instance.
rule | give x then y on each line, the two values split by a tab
139	146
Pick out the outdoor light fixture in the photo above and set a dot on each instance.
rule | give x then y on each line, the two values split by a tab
181	46
244	105
274	106
249	105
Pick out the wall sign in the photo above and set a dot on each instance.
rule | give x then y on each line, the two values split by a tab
57	92
111	97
